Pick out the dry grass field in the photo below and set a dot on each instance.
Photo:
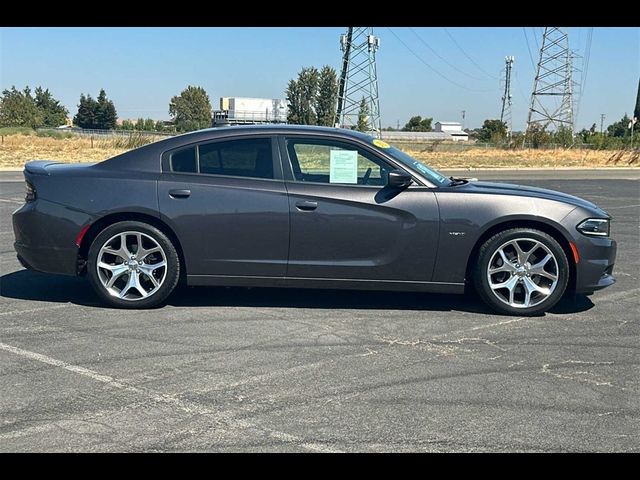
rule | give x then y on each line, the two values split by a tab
526	158
17	149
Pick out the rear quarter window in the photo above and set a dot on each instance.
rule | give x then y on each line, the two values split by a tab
184	160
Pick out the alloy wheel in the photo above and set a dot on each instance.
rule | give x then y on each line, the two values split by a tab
523	273
131	266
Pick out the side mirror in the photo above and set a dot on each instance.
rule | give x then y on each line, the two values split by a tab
399	179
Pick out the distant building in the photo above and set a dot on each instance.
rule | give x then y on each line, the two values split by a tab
415	136
454	129
244	111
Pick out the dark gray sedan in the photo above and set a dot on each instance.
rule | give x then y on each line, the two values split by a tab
309	207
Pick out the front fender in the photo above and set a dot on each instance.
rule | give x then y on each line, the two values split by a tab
466	219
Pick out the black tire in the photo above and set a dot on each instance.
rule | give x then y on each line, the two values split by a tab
491	297
169	276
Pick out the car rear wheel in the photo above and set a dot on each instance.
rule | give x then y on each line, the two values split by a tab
521	271
133	265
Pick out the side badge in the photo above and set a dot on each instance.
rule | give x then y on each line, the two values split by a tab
457	234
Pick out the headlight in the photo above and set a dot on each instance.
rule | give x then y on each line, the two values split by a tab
31	193
598	227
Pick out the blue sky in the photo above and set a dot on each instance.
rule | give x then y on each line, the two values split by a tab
142	68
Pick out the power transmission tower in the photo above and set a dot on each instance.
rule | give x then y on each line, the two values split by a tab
552	96
505	114
358	79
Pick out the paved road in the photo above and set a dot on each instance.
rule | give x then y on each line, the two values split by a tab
291	370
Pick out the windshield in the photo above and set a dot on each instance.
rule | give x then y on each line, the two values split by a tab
435	177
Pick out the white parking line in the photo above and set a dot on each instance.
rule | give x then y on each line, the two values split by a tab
15	202
185	406
32	310
617	295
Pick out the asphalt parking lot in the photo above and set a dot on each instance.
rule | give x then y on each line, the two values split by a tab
291	370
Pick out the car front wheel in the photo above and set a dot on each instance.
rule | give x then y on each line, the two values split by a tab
521	271
133	265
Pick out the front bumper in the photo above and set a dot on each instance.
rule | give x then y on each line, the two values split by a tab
594	271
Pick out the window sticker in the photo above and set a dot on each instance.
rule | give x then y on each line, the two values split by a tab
380	144
343	167
428	171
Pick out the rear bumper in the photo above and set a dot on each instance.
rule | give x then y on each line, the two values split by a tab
45	236
594	271
46	259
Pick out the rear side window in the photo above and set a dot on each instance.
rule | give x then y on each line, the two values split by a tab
184	160
250	158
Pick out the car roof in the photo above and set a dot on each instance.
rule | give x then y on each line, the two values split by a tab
146	158
277	128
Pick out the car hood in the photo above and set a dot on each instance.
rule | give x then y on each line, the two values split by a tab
526	191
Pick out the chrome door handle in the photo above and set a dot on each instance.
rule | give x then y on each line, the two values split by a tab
179	193
306	205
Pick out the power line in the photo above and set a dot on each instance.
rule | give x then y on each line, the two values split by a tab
535	37
587	54
520	90
469	57
425	63
533	64
441	57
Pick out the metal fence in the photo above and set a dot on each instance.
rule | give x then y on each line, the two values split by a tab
87	132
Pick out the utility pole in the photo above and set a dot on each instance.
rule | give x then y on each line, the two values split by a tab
602	115
552	96
463	112
505	114
358	79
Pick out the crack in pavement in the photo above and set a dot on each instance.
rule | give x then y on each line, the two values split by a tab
579	376
220	417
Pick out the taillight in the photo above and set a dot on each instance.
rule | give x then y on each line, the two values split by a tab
30	193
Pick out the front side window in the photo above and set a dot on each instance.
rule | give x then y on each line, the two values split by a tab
335	162
250	158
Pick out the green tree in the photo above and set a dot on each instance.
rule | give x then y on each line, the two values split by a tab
86	116
418	124
620	128
139	124
302	95
563	136
191	110
53	113
537	136
327	97
127	125
19	109
105	113
159	126
293	102
363	116
493	131
149	125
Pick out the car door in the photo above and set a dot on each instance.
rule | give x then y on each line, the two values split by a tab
227	203
346	223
